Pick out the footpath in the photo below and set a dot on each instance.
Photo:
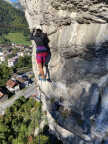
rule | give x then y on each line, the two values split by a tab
27	92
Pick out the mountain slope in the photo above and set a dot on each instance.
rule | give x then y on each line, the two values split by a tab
12	21
15	4
8	1
10	15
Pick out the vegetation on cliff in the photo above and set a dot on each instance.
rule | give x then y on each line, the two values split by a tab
19	121
18	124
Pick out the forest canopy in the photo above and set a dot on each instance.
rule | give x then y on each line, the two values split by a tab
12	20
11	16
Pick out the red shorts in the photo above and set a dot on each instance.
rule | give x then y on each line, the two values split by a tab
41	57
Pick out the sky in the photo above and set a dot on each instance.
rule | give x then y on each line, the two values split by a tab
13	0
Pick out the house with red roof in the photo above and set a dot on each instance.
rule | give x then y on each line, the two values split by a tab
12	86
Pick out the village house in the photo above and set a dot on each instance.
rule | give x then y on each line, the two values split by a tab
26	81
13	44
21	82
12	61
1	53
14	76
28	53
5	45
12	86
19	45
2	58
30	74
5	52
20	54
27	50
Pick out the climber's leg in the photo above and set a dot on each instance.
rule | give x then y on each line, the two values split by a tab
40	66
47	59
47	74
40	57
41	72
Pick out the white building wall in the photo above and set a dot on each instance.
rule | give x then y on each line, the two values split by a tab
2	58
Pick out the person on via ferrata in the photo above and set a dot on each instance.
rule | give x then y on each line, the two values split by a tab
42	50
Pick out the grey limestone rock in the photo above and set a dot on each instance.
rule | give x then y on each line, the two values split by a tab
78	33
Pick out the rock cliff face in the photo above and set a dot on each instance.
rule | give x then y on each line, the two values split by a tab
79	63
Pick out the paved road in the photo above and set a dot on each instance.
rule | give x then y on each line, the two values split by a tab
27	92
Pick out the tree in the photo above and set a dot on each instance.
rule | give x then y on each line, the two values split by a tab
24	62
5	73
17	126
3	131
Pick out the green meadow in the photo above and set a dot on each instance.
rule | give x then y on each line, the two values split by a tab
18	38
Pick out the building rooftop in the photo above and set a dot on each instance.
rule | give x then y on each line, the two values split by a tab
20	79
11	83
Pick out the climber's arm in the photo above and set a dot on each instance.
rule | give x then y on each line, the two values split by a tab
46	39
32	34
52	32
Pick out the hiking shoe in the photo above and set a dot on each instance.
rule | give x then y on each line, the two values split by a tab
40	78
49	80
